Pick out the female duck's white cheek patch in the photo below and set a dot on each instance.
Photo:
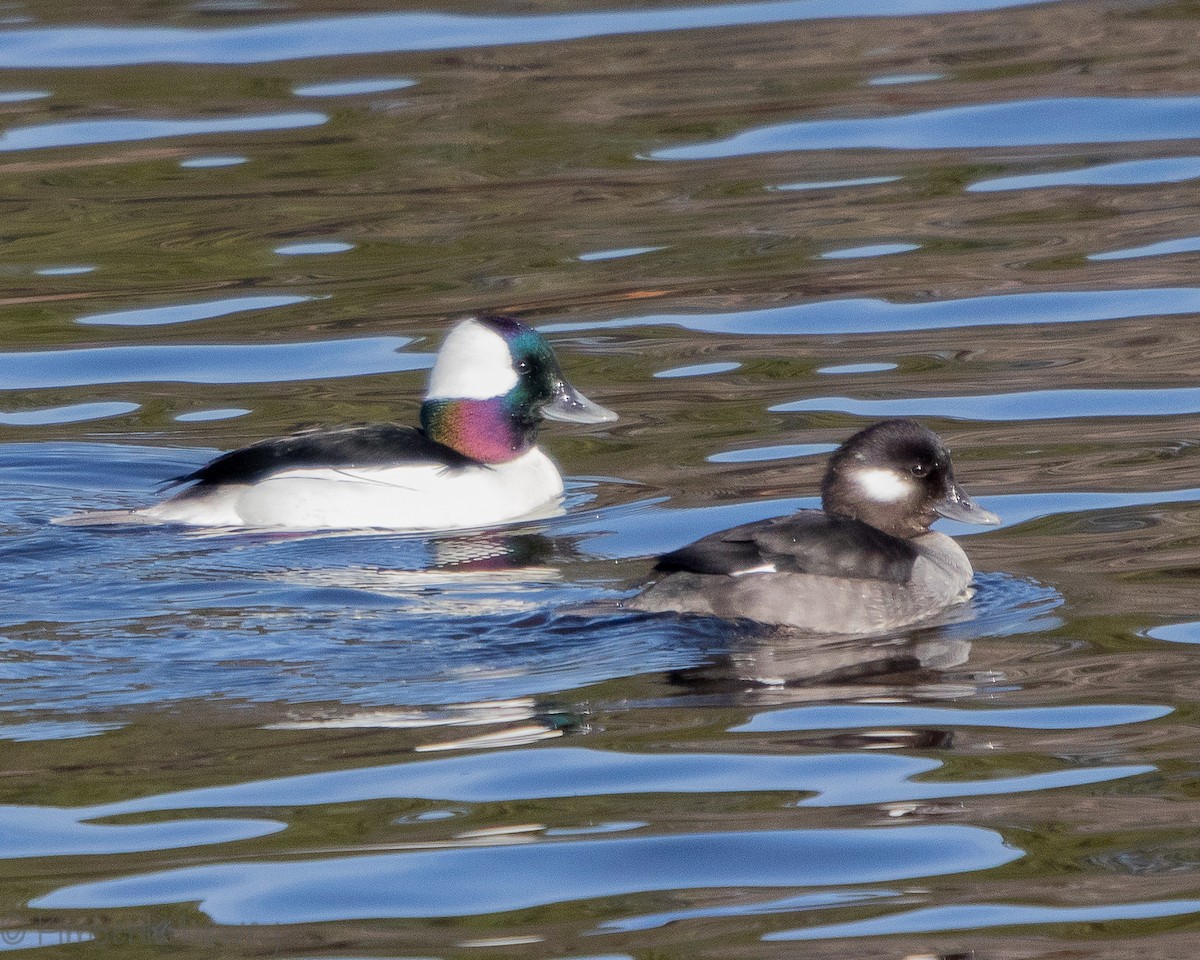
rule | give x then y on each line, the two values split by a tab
473	364
882	486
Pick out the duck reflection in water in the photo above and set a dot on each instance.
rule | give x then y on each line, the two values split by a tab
765	665
762	666
484	573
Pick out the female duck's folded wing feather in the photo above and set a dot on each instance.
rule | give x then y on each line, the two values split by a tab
811	542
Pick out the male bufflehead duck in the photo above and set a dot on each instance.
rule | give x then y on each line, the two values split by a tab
865	563
473	463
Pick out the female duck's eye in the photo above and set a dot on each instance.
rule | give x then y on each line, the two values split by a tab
918	469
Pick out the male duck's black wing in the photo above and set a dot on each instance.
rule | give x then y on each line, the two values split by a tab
811	541
367	445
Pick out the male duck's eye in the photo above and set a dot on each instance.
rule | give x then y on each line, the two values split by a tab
918	469
522	366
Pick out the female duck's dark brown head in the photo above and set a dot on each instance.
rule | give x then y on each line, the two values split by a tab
896	476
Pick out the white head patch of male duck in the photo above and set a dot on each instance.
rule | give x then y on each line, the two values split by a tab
474	363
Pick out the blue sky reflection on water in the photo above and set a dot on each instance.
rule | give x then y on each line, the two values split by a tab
75	133
833	779
1025	405
1159	249
870	315
72	413
348	88
86	46
1059	120
497	879
314	248
187	312
200	163
981	916
835	184
870	250
208	363
1126	173
845	716
23	96
805	901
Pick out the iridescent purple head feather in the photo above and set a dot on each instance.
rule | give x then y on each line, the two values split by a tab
494	381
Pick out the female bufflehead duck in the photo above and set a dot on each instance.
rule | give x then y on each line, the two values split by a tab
473	463
866	563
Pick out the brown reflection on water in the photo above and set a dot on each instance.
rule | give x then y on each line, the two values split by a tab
478	188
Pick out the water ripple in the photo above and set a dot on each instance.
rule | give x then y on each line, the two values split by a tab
72	413
186	312
697	370
897	79
835	184
1019	123
396	32
1162	248
1188	632
202	163
618	254
1017	508
805	901
63	271
848	716
76	133
786	451
35	730
17	939
1023	405
23	96
314	248
870	315
347	88
503	878
835	779
201	416
845	368
872	250
1127	173
209	363
52	832
976	916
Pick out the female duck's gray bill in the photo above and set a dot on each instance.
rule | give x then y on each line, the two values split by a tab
571	406
956	505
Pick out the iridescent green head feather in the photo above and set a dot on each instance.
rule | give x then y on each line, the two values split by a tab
492	383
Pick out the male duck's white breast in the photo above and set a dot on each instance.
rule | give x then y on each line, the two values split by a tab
410	497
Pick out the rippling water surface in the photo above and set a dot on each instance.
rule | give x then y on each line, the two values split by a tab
751	228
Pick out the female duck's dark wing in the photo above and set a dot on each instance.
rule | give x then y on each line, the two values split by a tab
368	445
811	541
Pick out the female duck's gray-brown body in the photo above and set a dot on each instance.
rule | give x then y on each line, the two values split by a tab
866	563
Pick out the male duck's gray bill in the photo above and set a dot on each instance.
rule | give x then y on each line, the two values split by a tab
956	505
571	406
